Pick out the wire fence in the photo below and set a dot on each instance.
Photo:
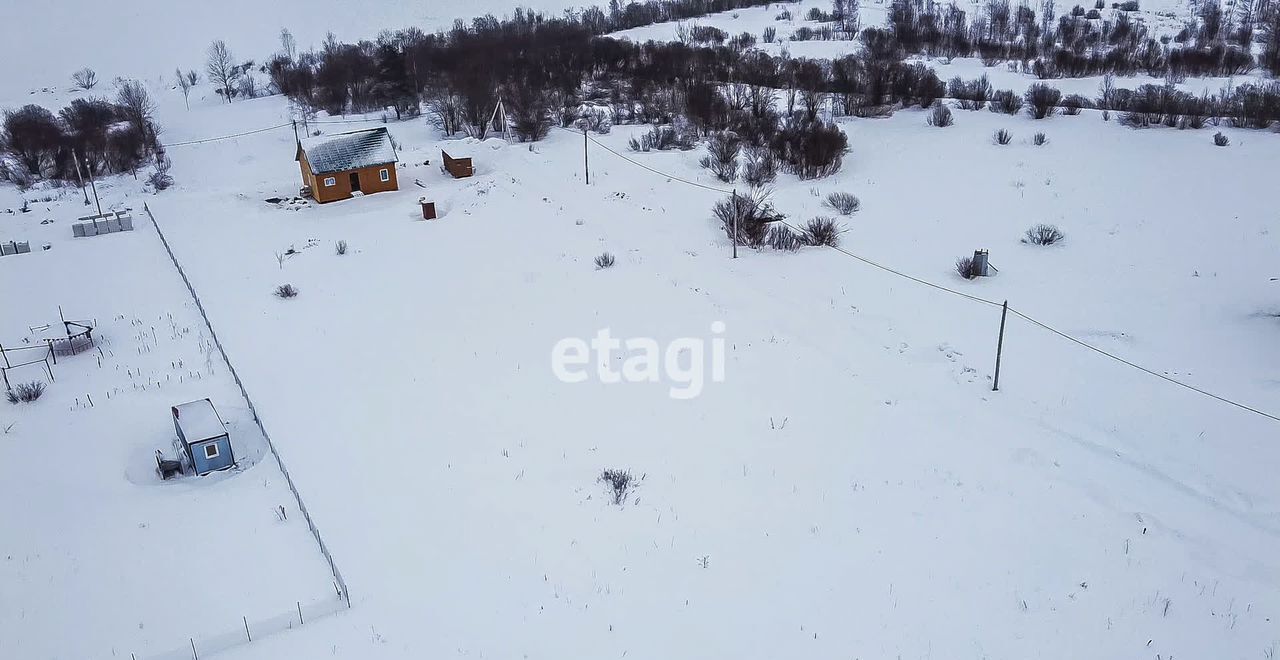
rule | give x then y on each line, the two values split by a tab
245	630
343	595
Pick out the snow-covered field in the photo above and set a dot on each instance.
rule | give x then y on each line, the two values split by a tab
852	489
148	38
1160	17
1157	16
93	540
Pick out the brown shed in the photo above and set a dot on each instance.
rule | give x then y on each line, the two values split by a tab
458	168
335	166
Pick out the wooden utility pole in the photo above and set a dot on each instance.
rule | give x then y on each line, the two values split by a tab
735	223
80	176
296	141
586	168
1004	312
94	186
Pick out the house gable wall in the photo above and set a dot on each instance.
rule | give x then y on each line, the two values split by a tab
224	459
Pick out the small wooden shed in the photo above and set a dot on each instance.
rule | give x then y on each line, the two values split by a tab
458	168
336	166
203	437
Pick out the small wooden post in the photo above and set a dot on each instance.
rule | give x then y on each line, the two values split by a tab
94	186
586	169
300	621
80	176
246	621
735	223
1004	312
193	649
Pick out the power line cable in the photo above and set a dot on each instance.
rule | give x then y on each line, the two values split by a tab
659	173
977	299
226	137
1143	369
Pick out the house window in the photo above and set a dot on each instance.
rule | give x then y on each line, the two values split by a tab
329	181
384	175
211	451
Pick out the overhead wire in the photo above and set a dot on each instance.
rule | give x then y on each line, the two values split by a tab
979	299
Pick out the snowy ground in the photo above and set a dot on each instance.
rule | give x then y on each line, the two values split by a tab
148	38
1160	16
93	539
853	487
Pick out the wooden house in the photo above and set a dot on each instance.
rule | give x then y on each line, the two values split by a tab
336	166
202	437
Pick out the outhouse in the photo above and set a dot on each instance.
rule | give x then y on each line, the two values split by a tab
203	437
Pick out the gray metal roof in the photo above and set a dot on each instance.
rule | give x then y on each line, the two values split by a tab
199	421
349	151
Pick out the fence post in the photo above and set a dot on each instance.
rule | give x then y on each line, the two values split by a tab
300	621
1004	311
246	628
193	649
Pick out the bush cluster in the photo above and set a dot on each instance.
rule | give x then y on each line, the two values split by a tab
106	136
25	392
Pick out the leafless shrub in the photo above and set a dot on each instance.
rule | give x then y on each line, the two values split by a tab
940	116
340	248
1043	100
1220	139
843	203
247	87
1043	234
1039	139
750	213
822	230
286	291
662	138
1072	104
605	260
972	95
25	392
620	483
964	266
1006	101
761	167
1002	137
780	237
85	78
160	179
722	155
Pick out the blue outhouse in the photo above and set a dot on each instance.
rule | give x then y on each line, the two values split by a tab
203	437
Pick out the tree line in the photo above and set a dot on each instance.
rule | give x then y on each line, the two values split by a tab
97	135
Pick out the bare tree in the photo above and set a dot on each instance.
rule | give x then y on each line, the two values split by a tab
136	106
185	84
85	78
221	68
288	45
